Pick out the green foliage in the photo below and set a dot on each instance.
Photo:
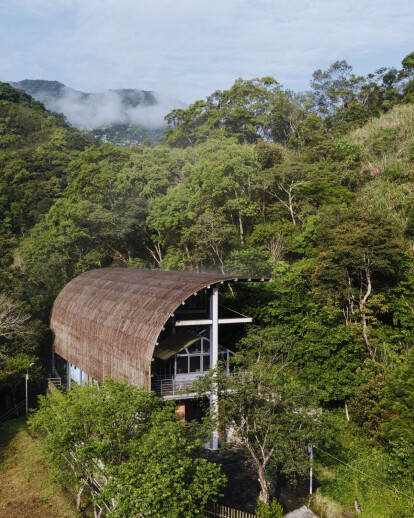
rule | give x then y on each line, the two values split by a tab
8	94
347	101
408	63
375	499
312	189
399	402
349	152
365	408
268	411
250	262
126	135
273	510
249	110
12	373
131	445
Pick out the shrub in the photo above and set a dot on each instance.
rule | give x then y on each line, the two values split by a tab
274	510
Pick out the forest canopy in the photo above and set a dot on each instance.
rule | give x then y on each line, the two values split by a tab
314	189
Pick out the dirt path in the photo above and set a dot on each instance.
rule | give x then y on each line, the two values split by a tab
26	487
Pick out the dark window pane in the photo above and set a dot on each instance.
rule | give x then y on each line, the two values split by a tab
206	347
195	363
182	364
206	362
195	348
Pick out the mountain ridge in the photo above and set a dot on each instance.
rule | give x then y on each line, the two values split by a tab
125	116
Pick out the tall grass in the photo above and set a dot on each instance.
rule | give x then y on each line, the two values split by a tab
387	143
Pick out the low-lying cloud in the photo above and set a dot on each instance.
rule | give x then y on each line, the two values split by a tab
114	107
197	47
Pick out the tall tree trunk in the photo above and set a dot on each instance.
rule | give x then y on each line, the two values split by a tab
241	229
78	498
157	252
265	487
372	351
219	256
187	253
292	214
289	204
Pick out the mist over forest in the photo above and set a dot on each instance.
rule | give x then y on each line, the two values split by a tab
127	107
312	189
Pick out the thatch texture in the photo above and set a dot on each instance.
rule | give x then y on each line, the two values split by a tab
106	321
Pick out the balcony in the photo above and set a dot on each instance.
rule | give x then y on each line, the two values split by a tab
173	388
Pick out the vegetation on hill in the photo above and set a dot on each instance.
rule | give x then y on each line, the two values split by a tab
128	450
314	189
26	486
124	117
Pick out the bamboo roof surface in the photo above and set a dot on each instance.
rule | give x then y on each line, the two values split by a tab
107	321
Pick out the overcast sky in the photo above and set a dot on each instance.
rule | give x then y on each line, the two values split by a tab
190	48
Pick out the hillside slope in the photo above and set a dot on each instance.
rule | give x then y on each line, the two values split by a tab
324	205
122	116
27	488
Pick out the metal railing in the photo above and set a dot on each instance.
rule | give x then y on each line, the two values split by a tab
222	511
14	410
53	383
172	387
176	387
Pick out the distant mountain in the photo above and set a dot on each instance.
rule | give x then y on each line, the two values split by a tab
124	116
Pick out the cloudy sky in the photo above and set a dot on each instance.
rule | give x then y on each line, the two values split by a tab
190	48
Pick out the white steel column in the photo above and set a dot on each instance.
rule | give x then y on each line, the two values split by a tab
214	360
68	371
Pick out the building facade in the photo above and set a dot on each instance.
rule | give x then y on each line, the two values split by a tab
151	328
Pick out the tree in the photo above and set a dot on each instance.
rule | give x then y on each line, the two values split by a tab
273	510
14	329
163	476
209	235
346	100
195	220
127	447
12	318
250	110
335	88
263	408
12	373
288	180
188	126
353	252
408	63
398	402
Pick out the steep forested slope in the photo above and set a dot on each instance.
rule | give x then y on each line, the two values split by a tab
124	116
35	150
315	190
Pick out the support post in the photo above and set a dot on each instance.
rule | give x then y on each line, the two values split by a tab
53	364
27	392
27	400
310	450
68	371
214	360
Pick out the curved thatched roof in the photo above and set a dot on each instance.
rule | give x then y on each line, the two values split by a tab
107	321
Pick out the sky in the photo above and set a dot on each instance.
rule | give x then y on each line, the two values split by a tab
190	48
